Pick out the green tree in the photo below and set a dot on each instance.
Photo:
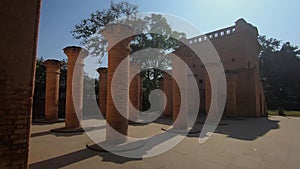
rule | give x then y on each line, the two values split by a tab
280	69
164	39
40	78
87	29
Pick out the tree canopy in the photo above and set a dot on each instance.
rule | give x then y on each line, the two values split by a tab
279	61
280	72
156	34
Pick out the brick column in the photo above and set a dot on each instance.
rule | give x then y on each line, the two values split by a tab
102	89
214	105
192	95
76	56
134	92
116	54
52	89
207	93
230	110
161	99
18	31
167	88
141	93
179	104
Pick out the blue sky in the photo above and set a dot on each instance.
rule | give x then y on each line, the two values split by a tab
277	19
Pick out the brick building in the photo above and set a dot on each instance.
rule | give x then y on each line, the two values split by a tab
236	45
238	49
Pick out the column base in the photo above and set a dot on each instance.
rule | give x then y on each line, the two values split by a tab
43	121
68	130
137	123
165	117
111	147
181	131
210	123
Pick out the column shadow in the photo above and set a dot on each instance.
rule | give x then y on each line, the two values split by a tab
248	128
43	133
77	156
242	128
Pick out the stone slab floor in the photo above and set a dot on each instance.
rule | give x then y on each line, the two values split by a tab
262	143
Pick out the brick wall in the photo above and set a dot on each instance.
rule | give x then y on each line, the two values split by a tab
238	51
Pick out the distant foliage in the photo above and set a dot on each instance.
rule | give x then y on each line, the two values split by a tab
99	19
40	78
280	73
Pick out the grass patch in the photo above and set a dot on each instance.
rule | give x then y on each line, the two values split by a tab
286	112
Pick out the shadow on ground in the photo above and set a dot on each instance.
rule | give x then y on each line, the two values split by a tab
62	134
241	128
248	128
43	133
77	156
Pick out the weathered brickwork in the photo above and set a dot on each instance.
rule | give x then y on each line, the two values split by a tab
15	127
52	89
167	88
102	89
134	91
18	32
76	56
238	50
116	54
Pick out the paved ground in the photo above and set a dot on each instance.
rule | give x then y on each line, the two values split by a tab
263	143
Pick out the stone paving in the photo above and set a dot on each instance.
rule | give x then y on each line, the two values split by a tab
264	143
